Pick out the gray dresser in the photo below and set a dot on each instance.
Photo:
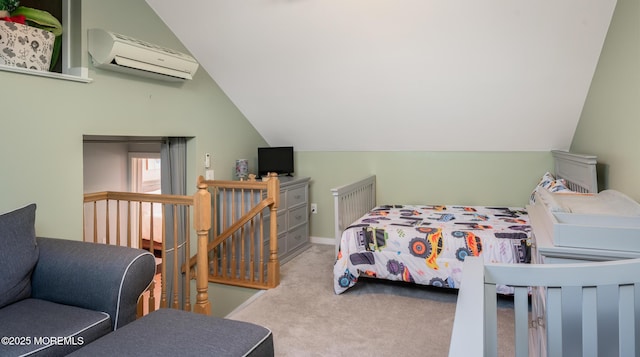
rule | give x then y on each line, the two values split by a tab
293	217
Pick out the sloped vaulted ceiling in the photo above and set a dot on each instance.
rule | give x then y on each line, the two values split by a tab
387	75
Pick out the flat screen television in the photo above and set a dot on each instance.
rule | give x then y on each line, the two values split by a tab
275	159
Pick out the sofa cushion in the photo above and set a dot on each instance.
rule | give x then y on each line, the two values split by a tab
171	332
41	327
18	254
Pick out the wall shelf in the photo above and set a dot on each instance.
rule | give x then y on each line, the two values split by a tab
73	58
55	75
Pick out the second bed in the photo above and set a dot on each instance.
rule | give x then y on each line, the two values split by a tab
427	244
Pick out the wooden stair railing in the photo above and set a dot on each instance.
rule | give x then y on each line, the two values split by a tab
132	220
202	225
237	242
129	219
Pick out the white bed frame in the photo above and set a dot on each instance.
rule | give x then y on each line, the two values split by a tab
475	330
353	200
578	170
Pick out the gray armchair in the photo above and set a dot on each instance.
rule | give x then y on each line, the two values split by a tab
97	277
58	295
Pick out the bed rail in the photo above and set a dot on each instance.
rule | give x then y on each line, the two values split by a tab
591	308
352	201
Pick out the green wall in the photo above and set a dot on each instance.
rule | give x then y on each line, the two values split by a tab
469	178
43	121
610	123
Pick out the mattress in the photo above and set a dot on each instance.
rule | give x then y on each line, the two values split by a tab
427	244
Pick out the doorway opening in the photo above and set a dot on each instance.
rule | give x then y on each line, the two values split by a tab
140	165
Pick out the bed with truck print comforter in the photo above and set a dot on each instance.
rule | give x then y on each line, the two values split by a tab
426	244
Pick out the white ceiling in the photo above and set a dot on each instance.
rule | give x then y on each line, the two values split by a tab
387	75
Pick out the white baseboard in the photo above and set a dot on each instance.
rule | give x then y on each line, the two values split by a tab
323	240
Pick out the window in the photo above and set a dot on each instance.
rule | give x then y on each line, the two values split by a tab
144	177
144	174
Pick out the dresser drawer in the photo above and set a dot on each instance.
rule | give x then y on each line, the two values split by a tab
282	247
282	244
297	237
296	196
297	216
282	222
283	200
293	217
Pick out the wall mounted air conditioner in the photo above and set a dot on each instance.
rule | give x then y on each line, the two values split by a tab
121	53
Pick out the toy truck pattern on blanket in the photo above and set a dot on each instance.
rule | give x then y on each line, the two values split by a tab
426	244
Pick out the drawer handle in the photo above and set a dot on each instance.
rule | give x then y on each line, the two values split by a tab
298	217
298	196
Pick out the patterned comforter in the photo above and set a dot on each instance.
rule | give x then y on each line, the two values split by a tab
427	244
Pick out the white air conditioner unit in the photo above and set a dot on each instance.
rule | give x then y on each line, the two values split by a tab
121	53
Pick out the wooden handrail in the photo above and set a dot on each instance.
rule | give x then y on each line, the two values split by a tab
249	224
138	197
229	231
134	237
272	188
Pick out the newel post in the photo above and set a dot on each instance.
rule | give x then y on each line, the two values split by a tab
273	191
202	225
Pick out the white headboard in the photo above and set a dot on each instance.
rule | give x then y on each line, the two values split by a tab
577	169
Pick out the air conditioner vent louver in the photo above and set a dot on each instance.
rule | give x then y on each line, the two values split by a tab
122	53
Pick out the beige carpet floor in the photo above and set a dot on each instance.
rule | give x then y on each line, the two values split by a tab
373	318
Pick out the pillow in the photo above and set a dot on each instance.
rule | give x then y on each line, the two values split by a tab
549	182
18	254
